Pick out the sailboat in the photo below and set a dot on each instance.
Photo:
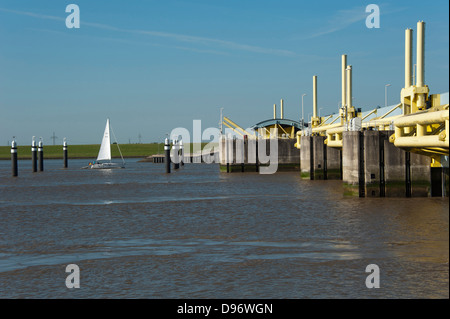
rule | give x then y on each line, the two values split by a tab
104	155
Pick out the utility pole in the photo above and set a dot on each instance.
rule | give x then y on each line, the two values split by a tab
54	137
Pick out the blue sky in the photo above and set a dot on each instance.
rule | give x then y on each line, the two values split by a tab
151	66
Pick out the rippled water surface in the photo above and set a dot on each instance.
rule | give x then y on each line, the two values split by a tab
199	233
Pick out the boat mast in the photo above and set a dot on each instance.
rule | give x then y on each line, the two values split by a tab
114	135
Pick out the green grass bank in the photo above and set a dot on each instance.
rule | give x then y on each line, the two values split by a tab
88	151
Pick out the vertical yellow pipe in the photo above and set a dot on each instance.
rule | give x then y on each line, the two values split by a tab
344	89
408	57
315	96
420	53
281	107
420	130
274	111
349	89
420	62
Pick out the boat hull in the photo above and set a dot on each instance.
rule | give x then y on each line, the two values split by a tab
106	166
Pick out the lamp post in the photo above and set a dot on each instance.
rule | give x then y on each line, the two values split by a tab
303	121
385	94
221	121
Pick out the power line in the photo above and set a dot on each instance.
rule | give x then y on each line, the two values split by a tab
54	137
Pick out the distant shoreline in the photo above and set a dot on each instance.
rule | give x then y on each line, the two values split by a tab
90	151
73	157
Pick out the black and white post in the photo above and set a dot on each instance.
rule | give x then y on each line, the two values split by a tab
176	157
181	153
167	155
14	158
41	155
34	155
65	153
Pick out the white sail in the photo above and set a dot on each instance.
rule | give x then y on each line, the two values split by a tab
105	149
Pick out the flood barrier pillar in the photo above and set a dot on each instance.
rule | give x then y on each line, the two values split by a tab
420	175
41	156
306	158
353	164
440	178
374	163
14	166
333	163
167	155
288	155
397	165
319	158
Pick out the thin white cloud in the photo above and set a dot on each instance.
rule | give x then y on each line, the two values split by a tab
341	20
344	18
210	42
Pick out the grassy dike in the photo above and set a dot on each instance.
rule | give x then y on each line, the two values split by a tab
87	151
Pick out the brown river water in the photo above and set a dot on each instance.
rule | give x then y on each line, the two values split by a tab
198	233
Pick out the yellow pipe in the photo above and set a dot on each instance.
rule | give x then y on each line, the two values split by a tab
326	128
420	53
420	142
283	129
315	96
235	125
349	93
374	111
380	121
337	118
274	111
422	119
408	57
420	62
344	81
324	121
281	109
335	144
390	111
234	130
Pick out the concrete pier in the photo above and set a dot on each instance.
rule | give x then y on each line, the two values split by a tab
333	163
374	182
318	161
247	155
395	161
353	164
319	158
374	167
306	158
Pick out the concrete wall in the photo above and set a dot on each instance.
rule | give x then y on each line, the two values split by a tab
394	170
374	176
238	155
306	158
420	175
368	164
351	163
384	170
288	155
334	163
319	157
